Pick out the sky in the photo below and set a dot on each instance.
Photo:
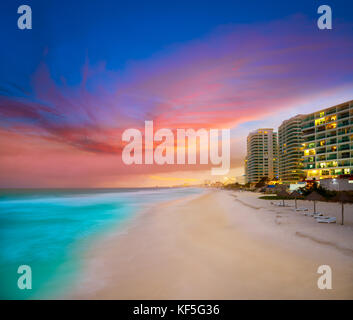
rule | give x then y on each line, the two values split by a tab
88	70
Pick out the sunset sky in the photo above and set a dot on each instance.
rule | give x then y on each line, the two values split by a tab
88	70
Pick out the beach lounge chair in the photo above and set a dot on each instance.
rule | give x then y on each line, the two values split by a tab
322	217
318	215
278	204
301	209
308	214
326	220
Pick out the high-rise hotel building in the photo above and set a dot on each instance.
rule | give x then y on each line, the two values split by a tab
328	142
261	159
290	150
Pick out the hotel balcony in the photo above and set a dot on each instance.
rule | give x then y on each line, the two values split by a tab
345	155
343	147
309	167
332	157
321	151
344	164
343	139
343	124
331	111
331	134
333	141
308	125
308	139
343	116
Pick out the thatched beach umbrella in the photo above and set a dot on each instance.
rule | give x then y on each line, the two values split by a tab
343	198
283	194
314	196
295	194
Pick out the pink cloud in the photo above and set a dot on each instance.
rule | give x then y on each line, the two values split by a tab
235	75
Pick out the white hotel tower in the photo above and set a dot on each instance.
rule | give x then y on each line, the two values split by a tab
262	158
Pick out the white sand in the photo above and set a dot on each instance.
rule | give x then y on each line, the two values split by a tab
222	245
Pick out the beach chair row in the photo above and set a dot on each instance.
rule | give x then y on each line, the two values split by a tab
319	217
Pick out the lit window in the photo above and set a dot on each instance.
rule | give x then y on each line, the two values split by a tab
310	152
333	118
331	126
319	121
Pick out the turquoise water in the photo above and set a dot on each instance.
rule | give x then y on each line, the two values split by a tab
50	230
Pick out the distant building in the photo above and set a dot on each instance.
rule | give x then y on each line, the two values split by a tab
240	179
290	150
262	155
228	180
328	142
314	146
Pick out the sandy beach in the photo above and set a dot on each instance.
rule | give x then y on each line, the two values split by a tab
221	245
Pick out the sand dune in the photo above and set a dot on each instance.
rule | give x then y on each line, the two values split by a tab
221	245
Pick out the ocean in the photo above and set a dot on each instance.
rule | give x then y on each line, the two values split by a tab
50	231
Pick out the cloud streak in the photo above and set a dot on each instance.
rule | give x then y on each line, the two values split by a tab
234	75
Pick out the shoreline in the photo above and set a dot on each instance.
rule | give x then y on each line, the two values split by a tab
99	242
69	271
218	245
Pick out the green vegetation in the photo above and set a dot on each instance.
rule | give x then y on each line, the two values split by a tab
305	191
275	197
263	182
327	194
237	186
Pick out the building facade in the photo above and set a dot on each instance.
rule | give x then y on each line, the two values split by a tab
290	150
261	158
328	142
